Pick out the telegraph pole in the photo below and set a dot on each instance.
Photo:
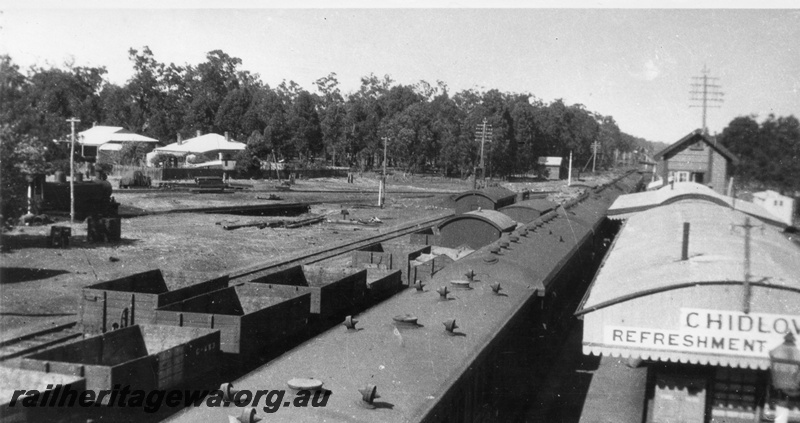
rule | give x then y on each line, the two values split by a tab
382	186
482	132
595	145
707	93
72	122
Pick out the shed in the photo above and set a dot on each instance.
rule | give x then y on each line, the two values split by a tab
552	167
696	158
491	198
335	292
133	300
250	320
781	206
143	357
474	229
385	255
528	210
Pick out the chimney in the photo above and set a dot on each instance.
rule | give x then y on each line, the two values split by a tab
685	246
227	136
199	132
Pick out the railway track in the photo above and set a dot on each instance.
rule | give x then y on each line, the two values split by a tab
39	340
336	250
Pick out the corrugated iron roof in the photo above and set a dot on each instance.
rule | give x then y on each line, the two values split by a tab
499	220
632	203
646	255
494	194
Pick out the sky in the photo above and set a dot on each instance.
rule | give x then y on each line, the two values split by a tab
630	63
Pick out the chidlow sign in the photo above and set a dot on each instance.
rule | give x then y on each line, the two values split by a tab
711	331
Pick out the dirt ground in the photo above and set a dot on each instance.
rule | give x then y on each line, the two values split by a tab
38	284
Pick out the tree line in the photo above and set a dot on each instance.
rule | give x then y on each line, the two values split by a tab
426	125
769	152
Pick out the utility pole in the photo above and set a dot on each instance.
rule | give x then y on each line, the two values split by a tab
72	122
706	92
482	132
595	145
382	186
569	170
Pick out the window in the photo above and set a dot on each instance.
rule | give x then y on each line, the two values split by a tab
697	146
681	176
698	177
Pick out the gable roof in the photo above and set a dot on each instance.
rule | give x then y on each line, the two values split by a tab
690	139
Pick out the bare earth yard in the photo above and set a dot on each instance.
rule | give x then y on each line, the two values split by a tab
39	284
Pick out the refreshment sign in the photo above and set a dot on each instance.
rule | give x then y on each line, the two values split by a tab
711	331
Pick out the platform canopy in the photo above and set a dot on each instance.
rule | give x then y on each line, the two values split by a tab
648	302
626	205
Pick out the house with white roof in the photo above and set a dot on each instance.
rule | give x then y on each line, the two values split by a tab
107	138
209	145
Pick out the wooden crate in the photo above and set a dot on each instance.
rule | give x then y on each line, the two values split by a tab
133	300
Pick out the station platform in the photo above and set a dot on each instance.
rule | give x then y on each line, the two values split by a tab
589	389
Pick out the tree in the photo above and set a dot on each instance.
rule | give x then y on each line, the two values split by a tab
232	110
768	153
306	138
21	156
209	84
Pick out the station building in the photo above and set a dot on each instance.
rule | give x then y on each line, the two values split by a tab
702	295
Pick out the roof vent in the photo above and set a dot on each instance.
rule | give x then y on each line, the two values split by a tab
406	320
443	291
228	393
504	244
495	250
307	384
513	238
496	288
450	326
460	285
470	275
350	323
368	395
248	416
523	231
418	285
